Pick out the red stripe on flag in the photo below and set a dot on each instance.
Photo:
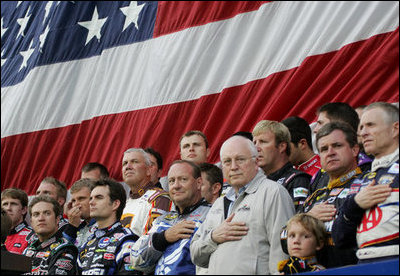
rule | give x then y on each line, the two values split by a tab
359	73
173	16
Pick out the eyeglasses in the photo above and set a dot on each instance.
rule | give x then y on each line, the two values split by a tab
238	161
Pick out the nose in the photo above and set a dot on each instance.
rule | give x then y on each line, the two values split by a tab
234	164
331	151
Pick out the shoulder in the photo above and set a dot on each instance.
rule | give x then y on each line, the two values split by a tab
62	245
155	193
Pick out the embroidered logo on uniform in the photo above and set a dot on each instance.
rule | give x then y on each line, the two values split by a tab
370	220
394	168
344	193
386	179
300	192
354	188
54	245
371	175
109	256
335	191
104	242
171	216
244	208
91	242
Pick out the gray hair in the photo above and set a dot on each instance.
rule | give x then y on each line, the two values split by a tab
250	144
391	111
145	155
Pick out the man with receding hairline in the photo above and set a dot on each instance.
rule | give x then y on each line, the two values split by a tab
369	217
241	234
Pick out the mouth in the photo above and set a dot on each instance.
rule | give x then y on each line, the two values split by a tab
192	155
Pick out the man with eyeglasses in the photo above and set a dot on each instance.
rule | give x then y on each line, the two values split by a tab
241	234
272	140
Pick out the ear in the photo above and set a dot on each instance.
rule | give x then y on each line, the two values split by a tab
61	201
116	204
356	150
24	210
320	245
282	147
302	143
395	129
207	152
216	188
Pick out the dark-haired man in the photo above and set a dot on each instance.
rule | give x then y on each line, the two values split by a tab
212	181
302	155
51	253
194	146
108	248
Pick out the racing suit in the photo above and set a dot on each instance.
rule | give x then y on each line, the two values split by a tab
375	231
19	238
143	208
334	193
107	252
152	251
79	235
296	182
53	256
311	166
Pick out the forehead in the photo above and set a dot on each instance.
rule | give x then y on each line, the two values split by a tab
84	191
334	137
42	206
265	135
180	169
323	117
195	138
46	186
373	115
296	226
133	155
10	199
235	147
100	190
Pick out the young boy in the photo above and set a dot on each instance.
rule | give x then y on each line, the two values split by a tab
305	236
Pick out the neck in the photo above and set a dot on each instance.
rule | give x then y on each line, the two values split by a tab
135	187
336	175
308	154
106	222
17	223
276	166
45	237
388	151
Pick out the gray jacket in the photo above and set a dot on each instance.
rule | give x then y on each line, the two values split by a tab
265	207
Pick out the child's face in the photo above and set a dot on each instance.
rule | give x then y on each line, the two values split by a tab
301	242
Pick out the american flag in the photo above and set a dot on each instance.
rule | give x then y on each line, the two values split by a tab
83	81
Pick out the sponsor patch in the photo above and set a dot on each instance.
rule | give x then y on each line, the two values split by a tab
104	242
129	267
394	169
91	242
300	192
386	179
54	245
344	193
64	264
109	256
171	216
335	191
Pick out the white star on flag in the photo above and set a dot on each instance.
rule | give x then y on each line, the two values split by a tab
22	22
94	26
26	55
3	30
3	60
42	38
131	13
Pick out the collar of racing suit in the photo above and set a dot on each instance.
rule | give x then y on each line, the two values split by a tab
385	161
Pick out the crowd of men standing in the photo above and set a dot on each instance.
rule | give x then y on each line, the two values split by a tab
225	218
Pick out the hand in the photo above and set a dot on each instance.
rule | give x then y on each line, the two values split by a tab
181	230
229	231
372	194
323	211
74	214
